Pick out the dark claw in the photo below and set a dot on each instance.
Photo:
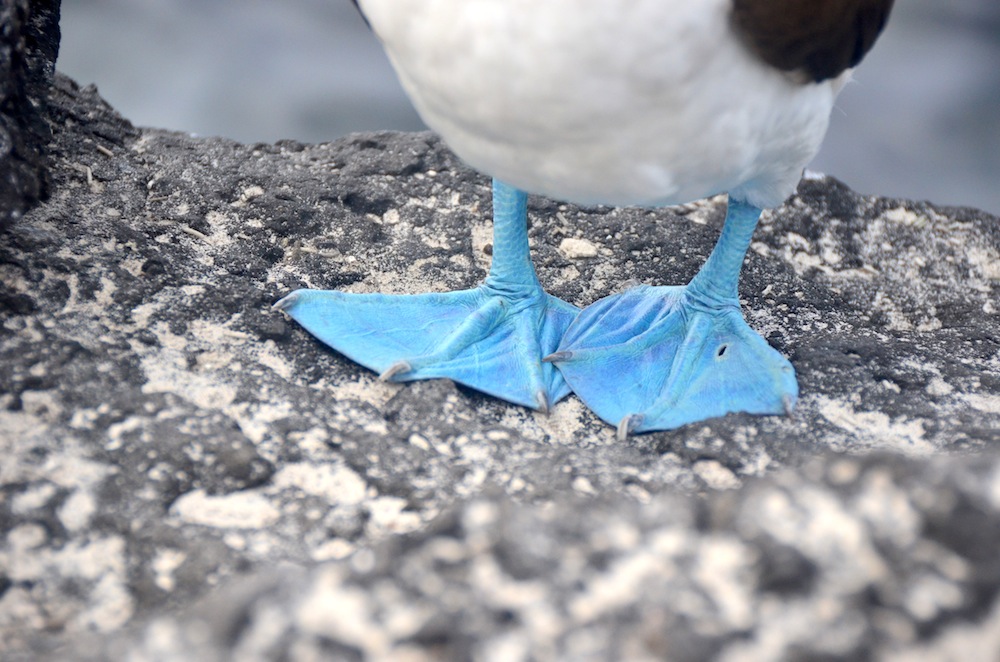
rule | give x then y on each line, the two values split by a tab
285	302
395	369
555	357
543	402
628	425
789	406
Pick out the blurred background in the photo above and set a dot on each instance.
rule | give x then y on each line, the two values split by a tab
921	120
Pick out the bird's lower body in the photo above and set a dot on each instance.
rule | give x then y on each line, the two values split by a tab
651	358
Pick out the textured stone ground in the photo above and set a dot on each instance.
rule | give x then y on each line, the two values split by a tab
29	43
188	475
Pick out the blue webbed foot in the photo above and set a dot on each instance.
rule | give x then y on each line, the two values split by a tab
491	338
487	340
653	359
657	358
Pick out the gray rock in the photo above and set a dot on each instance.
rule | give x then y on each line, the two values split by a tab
852	560
29	45
188	475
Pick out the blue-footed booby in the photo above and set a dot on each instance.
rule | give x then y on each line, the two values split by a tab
646	102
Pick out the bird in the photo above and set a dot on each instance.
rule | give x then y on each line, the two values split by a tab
648	103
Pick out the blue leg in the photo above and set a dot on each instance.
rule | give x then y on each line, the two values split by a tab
491	338
656	358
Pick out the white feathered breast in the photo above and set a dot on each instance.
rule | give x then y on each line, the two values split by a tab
620	102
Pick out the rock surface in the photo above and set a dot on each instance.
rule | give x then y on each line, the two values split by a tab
29	44
188	475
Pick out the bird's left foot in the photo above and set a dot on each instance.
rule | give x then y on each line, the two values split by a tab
657	358
490	340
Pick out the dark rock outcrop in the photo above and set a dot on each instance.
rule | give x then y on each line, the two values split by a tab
29	45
